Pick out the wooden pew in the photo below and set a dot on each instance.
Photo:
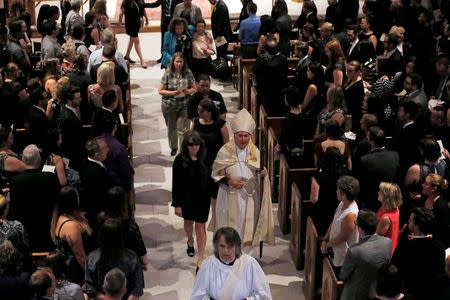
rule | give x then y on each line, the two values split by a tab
265	121
300	209
235	64
288	176
247	64
39	258
246	88
311	263
254	103
331	286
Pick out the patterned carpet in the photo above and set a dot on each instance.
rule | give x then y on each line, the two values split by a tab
171	272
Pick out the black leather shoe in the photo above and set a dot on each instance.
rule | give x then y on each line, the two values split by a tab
190	250
173	152
159	60
196	270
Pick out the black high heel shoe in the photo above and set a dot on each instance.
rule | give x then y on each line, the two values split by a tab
190	250
130	60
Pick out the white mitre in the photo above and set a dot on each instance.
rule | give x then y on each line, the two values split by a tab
243	121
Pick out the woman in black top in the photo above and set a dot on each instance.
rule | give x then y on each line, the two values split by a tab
213	130
244	14
284	23
323	189
354	94
118	207
190	195
291	139
134	12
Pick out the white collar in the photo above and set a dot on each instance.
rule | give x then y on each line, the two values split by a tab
105	108
40	108
73	110
408	123
96	161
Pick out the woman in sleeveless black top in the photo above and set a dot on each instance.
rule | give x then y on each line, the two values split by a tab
214	132
69	231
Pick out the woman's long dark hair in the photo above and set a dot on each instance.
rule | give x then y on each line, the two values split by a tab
267	25
117	205
193	137
210	107
319	77
112	246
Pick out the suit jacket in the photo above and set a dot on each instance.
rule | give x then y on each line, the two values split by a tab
220	21
38	126
361	264
376	166
408	146
271	78
163	7
33	197
390	66
419	97
72	145
94	184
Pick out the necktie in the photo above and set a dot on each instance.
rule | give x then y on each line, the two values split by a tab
167	4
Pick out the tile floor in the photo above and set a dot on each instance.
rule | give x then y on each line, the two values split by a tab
171	271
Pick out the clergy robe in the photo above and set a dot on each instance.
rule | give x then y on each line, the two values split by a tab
243	280
243	209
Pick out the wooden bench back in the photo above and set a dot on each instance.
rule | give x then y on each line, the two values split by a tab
311	256
331	286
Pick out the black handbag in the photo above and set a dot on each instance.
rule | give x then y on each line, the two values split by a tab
219	68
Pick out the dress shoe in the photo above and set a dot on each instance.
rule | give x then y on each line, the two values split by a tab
173	152
159	60
129	60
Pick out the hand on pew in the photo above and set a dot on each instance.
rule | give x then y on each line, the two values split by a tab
324	247
263	173
277	148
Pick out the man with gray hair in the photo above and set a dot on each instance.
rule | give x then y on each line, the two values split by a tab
73	18
115	284
107	38
33	195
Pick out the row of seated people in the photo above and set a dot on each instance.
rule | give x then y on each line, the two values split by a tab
390	100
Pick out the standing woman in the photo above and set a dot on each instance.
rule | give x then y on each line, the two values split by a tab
202	49
176	39
312	102
190	195
134	12
354	93
283	23
334	73
388	215
366	31
267	28
213	130
177	84
69	230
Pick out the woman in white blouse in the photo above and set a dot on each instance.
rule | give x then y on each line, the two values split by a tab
202	49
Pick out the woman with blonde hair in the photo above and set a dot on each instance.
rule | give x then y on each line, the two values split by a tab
434	189
105	82
69	51
54	104
390	196
69	229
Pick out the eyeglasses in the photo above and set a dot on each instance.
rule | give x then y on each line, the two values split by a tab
193	144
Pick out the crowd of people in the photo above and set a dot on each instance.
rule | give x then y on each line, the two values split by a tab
371	90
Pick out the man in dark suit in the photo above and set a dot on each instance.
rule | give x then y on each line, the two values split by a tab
271	70
409	136
109	101
167	9
220	25
37	120
359	271
301	80
376	166
352	49
33	197
120	75
94	179
71	127
392	62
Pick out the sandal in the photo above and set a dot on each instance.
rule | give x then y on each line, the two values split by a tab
190	250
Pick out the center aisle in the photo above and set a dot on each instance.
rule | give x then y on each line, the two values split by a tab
171	272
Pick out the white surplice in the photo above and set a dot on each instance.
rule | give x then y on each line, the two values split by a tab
251	282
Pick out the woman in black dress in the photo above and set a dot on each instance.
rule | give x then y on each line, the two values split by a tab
354	93
323	189
190	195
134	12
